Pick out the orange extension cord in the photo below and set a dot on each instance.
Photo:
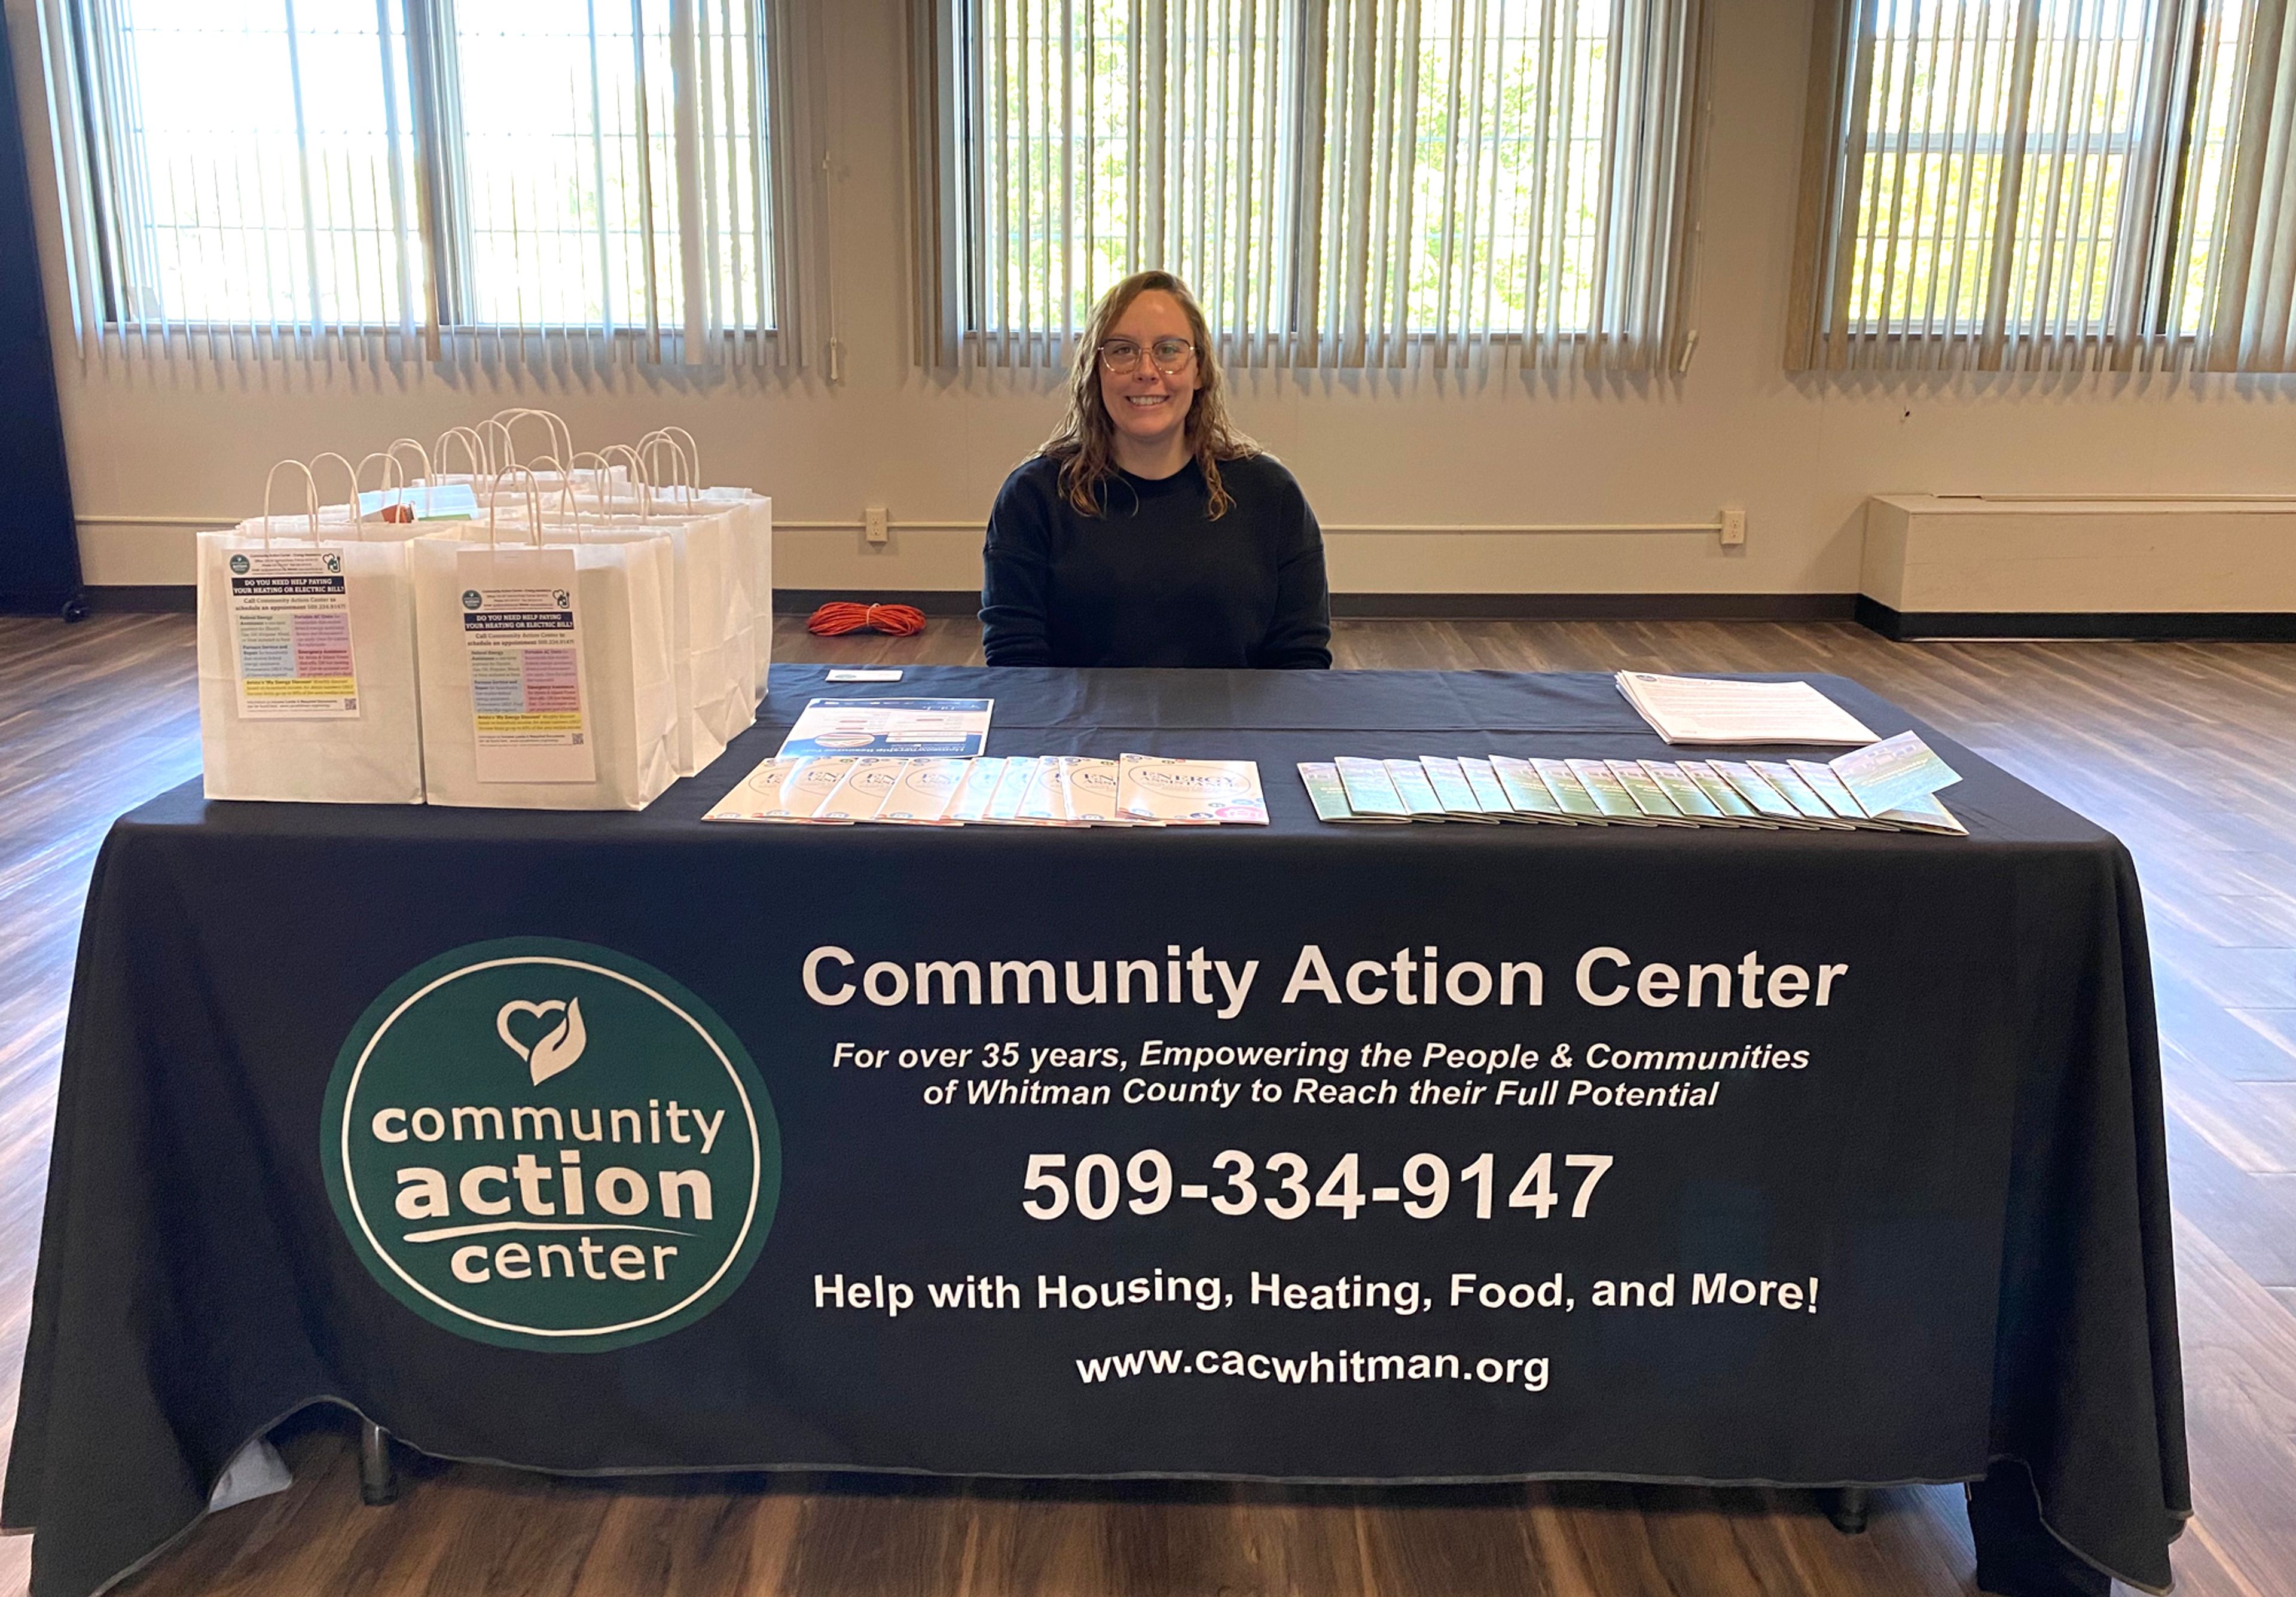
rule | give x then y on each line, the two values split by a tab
834	620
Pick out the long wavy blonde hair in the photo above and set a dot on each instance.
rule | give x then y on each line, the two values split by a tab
1084	441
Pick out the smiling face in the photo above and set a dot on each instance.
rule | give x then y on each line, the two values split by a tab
1149	408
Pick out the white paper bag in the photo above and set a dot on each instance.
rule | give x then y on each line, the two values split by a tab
754	539
754	545
729	704
627	703
701	555
268	740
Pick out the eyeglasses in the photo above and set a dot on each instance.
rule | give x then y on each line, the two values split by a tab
1171	355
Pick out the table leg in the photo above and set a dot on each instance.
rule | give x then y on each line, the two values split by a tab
378	1479
1846	1507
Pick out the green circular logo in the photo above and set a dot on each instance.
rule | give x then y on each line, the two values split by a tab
549	1145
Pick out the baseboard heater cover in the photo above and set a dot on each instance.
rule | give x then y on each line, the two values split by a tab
2241	627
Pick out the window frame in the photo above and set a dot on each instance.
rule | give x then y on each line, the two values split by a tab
949	330
427	216
2154	231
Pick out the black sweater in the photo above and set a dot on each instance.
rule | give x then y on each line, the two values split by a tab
1155	581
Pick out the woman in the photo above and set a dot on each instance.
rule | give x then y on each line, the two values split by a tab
1147	531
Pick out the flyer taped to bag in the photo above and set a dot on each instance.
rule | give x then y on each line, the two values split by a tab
291	630
525	643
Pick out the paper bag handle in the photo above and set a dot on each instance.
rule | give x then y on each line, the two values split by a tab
654	442
565	480
561	437
533	504
692	452
497	460
383	485
598	479
310	498
349	471
639	478
473	444
424	454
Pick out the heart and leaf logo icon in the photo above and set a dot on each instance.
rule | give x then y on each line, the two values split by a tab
556	1049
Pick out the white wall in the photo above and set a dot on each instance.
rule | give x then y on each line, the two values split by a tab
1800	454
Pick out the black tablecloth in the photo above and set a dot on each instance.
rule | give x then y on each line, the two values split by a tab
1556	1216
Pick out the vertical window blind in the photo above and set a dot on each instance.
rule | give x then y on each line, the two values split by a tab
1342	182
2049	183
544	184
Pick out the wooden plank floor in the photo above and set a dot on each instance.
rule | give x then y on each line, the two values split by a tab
2187	752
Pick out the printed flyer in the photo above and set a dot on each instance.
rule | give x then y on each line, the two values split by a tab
525	640
291	630
890	726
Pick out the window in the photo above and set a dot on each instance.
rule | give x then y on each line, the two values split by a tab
512	177
1341	182
2049	183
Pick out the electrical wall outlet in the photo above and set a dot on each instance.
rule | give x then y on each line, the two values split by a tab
1733	529
874	527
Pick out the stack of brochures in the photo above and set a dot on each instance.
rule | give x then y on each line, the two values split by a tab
1887	787
1051	789
1716	710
